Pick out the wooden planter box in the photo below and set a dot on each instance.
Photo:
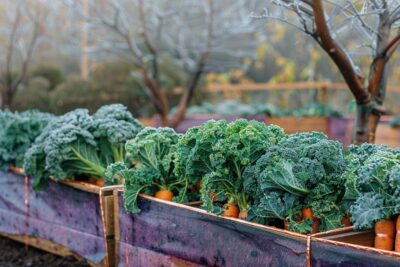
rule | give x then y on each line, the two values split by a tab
171	234
350	248
295	125
341	129
64	219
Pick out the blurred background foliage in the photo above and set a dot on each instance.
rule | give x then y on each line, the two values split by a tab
55	82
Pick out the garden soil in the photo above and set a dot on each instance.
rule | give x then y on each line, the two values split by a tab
15	254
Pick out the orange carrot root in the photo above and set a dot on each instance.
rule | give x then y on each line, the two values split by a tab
198	185
346	221
384	234
309	214
16	170
166	195
231	210
100	182
286	224
243	215
96	181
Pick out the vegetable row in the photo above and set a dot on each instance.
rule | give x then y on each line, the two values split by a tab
303	182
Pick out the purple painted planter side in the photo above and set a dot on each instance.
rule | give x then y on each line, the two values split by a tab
165	234
338	130
324	254
64	215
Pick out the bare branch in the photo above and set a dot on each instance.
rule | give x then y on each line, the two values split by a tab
195	77
391	47
11	45
147	42
336	52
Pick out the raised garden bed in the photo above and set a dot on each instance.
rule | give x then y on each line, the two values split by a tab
350	248
341	129
295	125
169	234
66	217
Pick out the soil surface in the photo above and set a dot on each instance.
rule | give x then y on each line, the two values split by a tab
15	254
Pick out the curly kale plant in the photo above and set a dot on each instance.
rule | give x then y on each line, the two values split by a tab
79	145
356	156
302	171
378	186
218	153
152	152
17	133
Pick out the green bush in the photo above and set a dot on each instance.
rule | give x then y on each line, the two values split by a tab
92	94
72	94
33	96
51	74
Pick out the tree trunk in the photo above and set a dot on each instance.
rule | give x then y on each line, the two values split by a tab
365	125
187	97
159	99
6	98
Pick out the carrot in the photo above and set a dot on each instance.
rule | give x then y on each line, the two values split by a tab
100	182
198	185
384	234
213	196
308	214
96	181
166	195
397	243
346	221
16	170
243	215
286	224
231	210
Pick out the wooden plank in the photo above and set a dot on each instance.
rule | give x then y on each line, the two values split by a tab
117	235
109	216
349	235
218	88
90	188
148	122
385	134
83	186
109	223
245	87
295	125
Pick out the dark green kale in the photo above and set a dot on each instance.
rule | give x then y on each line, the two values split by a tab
17	133
79	145
218	153
153	152
303	170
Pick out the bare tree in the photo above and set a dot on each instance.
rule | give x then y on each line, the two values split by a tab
372	25
22	23
198	36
